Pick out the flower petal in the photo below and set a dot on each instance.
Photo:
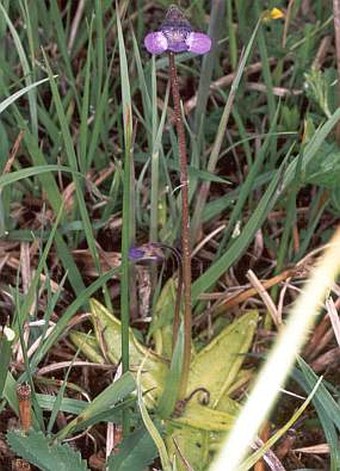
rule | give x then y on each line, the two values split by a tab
149	251
156	43
199	43
136	254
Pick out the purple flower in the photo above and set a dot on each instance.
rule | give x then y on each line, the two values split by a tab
146	252
176	35
136	254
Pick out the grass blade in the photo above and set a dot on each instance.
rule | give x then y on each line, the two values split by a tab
127	216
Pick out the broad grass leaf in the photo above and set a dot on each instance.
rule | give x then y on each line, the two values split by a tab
135	452
168	399
107	401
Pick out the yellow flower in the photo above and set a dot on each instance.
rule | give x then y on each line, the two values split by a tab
273	14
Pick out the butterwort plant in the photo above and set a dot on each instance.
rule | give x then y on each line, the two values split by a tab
175	36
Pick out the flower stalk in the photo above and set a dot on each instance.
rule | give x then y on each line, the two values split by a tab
176	35
185	224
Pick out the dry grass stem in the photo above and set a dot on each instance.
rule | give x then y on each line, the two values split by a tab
334	317
269	303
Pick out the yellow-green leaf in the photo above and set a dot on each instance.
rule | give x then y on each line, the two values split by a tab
192	444
217	365
88	345
108	332
197	434
205	418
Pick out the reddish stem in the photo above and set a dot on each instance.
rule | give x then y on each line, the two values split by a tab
185	232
